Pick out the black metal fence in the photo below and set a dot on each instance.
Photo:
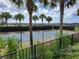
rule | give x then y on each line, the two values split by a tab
44	50
40	52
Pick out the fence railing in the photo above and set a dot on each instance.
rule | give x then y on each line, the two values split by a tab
41	51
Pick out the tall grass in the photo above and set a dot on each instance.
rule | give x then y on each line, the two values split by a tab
12	44
8	45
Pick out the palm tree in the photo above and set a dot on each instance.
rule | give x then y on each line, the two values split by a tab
49	19
30	8
19	17
35	18
6	16
1	18
63	4
42	17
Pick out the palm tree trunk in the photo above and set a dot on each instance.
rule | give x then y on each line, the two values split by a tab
61	21
61	27
35	22
16	22
20	35
6	22
48	23
31	37
42	32
30	28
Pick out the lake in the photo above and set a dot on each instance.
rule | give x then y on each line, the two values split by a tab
37	35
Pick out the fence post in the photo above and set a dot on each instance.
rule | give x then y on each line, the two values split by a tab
34	56
60	39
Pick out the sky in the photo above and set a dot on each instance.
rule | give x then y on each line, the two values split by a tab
70	15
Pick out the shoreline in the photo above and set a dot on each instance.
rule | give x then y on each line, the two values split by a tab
45	40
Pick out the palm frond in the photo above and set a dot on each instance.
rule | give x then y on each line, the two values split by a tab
6	15
35	8
18	3
49	19
70	3
45	2
14	1
35	17
42	16
53	4
19	17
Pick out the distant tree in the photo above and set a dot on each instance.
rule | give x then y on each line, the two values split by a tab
42	17
19	17
0	17
49	19
35	18
6	16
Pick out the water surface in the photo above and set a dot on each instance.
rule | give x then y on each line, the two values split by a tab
37	35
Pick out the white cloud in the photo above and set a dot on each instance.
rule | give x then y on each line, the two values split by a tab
54	13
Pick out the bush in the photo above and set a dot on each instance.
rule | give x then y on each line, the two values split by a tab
2	43
43	52
12	45
2	46
66	41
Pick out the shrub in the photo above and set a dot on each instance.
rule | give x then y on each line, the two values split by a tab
2	43
12	45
